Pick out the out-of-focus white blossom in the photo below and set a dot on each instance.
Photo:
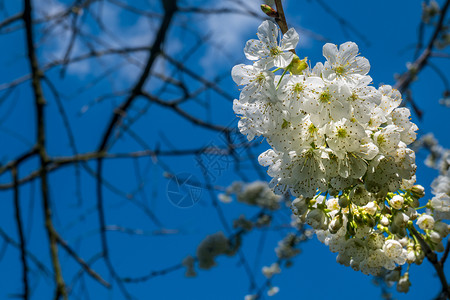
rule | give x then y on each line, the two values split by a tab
272	270
272	291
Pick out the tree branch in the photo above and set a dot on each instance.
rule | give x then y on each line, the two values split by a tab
60	289
432	258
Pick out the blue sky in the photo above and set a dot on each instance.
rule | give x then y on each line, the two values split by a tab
389	26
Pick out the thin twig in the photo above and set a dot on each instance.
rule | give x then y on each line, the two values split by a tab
18	218
60	289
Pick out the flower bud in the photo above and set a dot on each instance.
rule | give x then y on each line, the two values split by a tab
420	256
343	201
335	224
418	191
384	221
404	284
269	11
403	241
442	228
411	213
360	196
351	228
243	223
396	202
315	218
300	205
435	237
415	203
439	247
400	219
393	275
411	256
333	192
225	198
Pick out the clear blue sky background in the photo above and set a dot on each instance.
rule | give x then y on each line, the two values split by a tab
389	26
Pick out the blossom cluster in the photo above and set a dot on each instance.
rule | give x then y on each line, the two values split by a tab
328	128
212	246
340	146
256	193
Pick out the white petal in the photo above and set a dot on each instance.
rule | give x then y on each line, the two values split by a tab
283	60
268	33
348	52
330	52
242	74
363	66
290	40
255	49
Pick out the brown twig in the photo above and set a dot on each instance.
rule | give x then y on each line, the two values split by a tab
18	217
281	19
82	263
170	7
405	79
445	255
432	258
60	289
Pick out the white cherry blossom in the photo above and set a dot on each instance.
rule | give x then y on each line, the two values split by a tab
267	51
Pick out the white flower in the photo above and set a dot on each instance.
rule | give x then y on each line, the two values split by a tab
442	228
258	193
307	172
396	202
224	198
266	50
391	98
344	136
425	222
272	291
387	139
401	118
212	246
293	91
272	270
343	63
441	206
441	184
392	248
371	208
256	81
363	99
330	103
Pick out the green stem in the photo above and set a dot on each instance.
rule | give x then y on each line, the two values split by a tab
282	75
